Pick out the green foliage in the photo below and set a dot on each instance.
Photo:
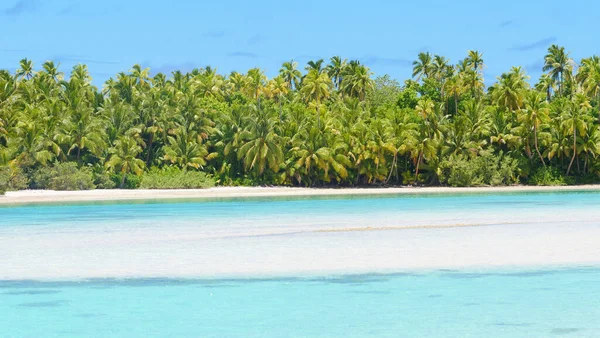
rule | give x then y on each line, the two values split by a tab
547	176
12	178
4	179
174	178
63	176
129	182
102	178
409	95
331	123
485	170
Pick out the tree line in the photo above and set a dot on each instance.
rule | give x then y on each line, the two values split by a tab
331	123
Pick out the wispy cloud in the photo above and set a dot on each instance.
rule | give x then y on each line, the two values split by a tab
535	67
21	7
386	61
255	39
213	34
543	43
242	54
507	23
81	59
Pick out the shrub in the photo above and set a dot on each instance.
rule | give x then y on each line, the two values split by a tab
63	176
174	178
487	169
547	176
102	178
12	178
131	181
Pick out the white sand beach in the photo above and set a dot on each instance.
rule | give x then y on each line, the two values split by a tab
49	196
225	241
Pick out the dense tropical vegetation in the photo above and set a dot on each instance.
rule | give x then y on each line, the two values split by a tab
331	123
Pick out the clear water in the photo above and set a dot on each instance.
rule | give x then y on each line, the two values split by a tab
538	301
541	303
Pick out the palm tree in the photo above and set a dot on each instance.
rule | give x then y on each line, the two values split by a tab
534	113
439	68
545	84
186	150
123	158
315	66
256	82
588	75
357	80
290	73
475	60
278	88
25	69
335	70
262	146
509	91
316	87
574	121
84	131
422	67
559	65
52	70
454	87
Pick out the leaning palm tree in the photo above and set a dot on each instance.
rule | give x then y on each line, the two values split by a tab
559	65
124	159
533	115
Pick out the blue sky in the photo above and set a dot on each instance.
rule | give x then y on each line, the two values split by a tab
110	36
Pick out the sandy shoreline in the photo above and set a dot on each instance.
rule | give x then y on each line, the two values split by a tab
49	196
324	237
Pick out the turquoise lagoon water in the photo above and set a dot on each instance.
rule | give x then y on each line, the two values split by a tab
540	303
482	302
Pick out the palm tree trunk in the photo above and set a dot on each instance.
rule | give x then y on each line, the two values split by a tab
574	149
318	116
149	154
280	109
455	104
392	168
535	141
417	169
123	180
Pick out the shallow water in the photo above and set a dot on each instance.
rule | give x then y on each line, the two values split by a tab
482	303
480	265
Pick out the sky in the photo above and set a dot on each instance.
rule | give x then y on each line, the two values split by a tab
110	36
